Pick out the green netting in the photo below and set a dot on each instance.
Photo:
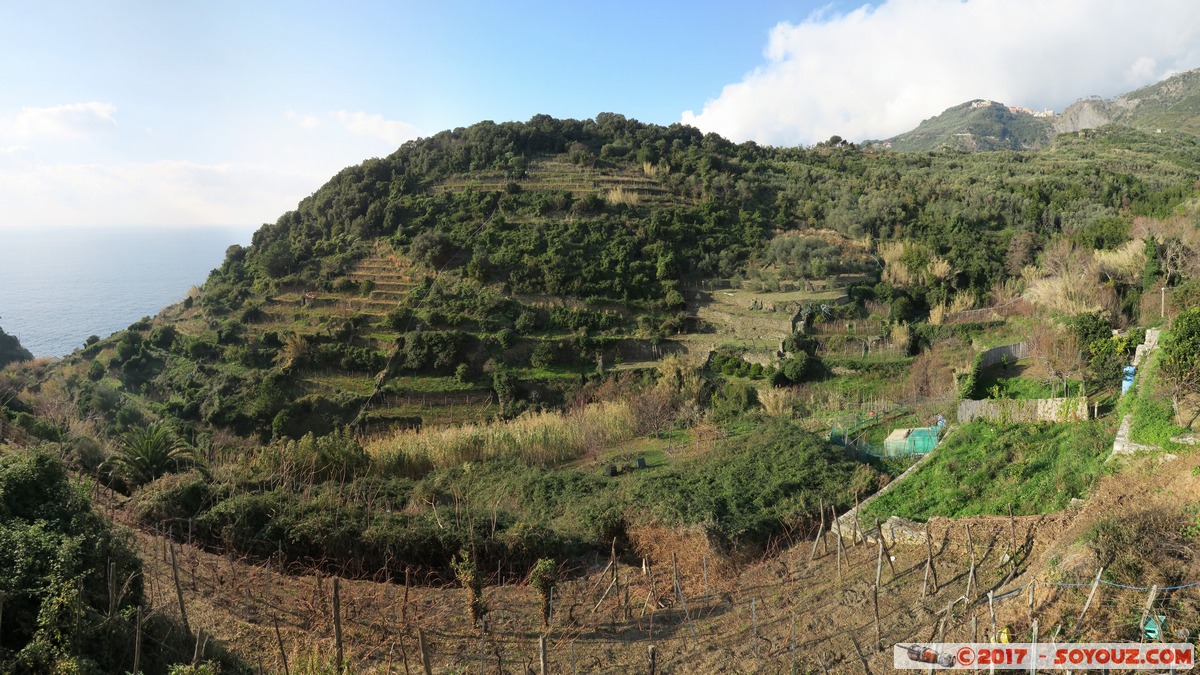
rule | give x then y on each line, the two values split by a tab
918	441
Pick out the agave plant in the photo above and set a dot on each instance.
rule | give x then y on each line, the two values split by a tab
149	452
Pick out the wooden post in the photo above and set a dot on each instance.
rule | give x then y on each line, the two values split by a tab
793	643
857	650
1146	613
1012	533
992	612
840	546
675	575
1033	662
754	619
650	659
542	655
817	542
279	642
886	552
201	641
613	558
683	603
424	652
930	571
112	589
179	592
137	640
974	626
879	564
854	533
1088	603
821	531
971	574
483	643
875	607
337	624
404	607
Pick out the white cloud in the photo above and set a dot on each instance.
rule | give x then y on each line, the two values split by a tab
878	71
159	193
394	132
306	122
69	121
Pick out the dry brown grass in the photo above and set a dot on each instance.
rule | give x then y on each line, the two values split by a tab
621	196
962	302
1123	264
937	314
540	439
1070	283
653	170
778	402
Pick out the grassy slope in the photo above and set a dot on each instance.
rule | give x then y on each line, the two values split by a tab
986	469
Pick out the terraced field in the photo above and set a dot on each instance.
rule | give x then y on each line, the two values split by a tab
557	174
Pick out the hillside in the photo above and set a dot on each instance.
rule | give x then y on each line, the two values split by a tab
561	340
11	350
976	126
1172	105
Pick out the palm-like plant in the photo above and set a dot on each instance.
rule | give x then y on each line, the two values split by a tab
149	452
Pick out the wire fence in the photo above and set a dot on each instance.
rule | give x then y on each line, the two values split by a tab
836	599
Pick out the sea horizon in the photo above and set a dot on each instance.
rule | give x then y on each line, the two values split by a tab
62	284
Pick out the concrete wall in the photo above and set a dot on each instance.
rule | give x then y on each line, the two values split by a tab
996	355
1033	410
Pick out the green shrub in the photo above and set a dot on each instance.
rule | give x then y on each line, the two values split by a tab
754	486
731	400
52	547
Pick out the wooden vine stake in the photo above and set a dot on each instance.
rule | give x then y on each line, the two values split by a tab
992	612
1029	607
1088	602
1033	663
971	574
279	642
854	533
137	640
841	548
1146	613
179	592
421	644
875	607
337	624
879	564
930	572
886	552
817	541
821	532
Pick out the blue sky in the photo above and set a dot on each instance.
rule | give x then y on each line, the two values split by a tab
189	113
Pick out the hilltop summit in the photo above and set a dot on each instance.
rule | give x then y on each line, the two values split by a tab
981	125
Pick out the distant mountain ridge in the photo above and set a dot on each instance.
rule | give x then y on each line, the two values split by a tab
979	125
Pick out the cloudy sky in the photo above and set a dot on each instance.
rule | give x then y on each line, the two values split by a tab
170	114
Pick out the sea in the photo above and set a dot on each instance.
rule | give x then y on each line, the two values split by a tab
60	285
